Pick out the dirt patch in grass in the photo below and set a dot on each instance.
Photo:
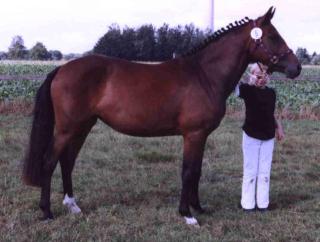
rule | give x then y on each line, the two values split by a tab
289	200
3	162
311	176
153	157
19	106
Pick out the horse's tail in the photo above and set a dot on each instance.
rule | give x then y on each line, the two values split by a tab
41	134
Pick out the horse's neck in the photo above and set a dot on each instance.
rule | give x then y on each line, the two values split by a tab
224	61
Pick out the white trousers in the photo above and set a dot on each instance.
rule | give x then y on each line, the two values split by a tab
257	160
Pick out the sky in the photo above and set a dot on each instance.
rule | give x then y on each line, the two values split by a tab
74	26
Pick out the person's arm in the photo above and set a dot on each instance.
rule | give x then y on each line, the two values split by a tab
241	92
279	130
237	90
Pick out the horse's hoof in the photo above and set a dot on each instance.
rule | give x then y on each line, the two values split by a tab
198	209
73	209
71	204
185	212
192	221
47	217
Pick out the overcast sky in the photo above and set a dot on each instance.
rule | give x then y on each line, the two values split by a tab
76	25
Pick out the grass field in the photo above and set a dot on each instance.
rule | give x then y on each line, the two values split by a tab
128	189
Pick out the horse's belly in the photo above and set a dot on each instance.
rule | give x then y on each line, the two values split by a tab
142	129
144	123
140	111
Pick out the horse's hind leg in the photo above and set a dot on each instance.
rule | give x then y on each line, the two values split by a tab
59	143
67	161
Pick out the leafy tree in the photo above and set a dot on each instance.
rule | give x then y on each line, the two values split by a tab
17	50
148	43
145	43
162	50
55	55
89	52
303	56
109	43
3	55
315	60
188	38
127	43
175	40
39	52
71	56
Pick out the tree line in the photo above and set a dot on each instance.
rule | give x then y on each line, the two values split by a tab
18	51
148	43
145	43
307	59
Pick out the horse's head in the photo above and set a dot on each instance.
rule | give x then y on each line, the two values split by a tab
269	48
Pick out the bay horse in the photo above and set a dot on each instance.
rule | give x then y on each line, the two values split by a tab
184	96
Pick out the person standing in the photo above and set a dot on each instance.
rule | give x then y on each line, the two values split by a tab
259	130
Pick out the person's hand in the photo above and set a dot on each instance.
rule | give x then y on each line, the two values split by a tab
279	134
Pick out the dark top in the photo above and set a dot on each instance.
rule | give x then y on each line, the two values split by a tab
260	105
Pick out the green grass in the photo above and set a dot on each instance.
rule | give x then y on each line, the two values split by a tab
24	68
128	189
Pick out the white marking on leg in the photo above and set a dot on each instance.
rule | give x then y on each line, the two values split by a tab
71	204
191	221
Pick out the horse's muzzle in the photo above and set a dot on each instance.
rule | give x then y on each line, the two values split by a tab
292	71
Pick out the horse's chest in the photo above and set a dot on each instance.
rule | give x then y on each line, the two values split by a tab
215	116
203	116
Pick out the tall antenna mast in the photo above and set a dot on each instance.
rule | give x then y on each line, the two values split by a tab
212	16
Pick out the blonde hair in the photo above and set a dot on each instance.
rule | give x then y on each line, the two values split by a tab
256	70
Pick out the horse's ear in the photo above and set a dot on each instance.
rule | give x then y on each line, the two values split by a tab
266	19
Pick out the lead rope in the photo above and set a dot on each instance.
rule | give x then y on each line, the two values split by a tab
260	66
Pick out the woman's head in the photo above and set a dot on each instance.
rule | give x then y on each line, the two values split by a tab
258	75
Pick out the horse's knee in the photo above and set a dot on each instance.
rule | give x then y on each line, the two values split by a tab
191	176
49	166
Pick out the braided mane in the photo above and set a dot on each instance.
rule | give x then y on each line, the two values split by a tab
217	35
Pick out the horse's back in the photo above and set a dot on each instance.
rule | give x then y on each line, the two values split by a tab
133	98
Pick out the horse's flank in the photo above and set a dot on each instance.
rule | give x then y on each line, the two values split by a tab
133	98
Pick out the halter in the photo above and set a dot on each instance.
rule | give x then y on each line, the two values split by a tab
273	59
259	65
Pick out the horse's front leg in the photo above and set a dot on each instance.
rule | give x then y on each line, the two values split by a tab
194	144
